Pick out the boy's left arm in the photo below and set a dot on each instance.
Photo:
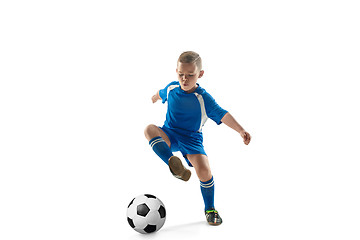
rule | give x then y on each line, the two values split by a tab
230	121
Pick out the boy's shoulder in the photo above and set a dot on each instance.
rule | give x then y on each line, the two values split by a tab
200	90
203	92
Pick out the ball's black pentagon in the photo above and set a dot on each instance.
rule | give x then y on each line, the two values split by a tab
131	202
150	228
150	196
131	223
143	209
162	211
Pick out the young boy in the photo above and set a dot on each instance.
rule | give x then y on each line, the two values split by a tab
189	106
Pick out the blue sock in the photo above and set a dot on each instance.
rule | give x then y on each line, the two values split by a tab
207	190
161	148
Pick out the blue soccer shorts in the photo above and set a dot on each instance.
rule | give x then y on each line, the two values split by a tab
185	142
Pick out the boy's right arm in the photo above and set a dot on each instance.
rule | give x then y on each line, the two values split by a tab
156	97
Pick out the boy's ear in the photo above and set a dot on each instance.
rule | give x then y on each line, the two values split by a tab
201	73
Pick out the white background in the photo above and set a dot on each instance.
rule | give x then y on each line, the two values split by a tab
75	96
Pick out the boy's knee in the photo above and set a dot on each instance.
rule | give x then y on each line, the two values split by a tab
204	174
151	131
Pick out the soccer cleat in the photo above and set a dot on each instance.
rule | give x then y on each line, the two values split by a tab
178	169
213	217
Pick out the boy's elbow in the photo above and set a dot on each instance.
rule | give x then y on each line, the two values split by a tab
226	115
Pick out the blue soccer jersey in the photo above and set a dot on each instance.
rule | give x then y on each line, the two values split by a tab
189	111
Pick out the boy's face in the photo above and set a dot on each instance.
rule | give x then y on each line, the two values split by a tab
188	74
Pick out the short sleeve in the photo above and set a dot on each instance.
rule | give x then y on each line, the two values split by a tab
164	92
213	110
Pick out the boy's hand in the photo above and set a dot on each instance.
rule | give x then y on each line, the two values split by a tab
246	136
231	122
156	97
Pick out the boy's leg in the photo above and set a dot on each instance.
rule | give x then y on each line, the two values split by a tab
152	131
202	167
159	142
201	164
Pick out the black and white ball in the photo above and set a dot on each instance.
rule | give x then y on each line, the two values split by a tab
146	213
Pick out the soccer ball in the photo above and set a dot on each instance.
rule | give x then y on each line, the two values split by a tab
146	213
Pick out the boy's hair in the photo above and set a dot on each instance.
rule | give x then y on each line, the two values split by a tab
191	57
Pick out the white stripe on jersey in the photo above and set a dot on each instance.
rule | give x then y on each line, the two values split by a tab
204	117
171	87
